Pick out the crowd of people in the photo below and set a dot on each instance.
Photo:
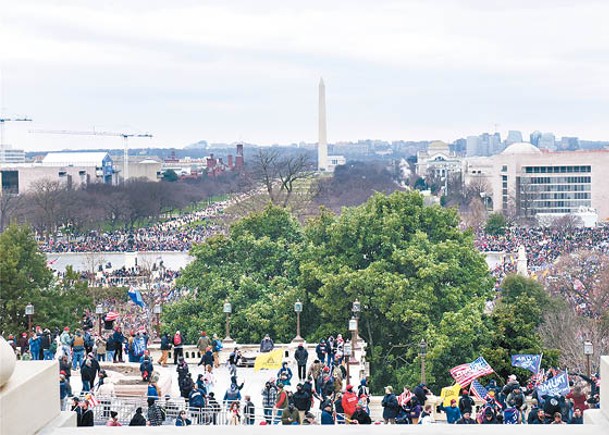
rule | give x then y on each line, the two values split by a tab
178	233
318	392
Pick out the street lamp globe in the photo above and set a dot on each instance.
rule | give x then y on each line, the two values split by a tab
423	347
29	310
353	324
228	308
588	348
99	309
348	348
157	309
356	307
298	307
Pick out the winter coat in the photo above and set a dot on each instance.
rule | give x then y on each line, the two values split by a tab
301	355
302	400
390	406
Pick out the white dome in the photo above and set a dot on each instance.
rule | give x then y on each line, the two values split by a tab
521	148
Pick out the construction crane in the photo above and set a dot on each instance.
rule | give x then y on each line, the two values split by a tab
2	121
125	137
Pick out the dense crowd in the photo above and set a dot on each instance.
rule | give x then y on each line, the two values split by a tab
317	392
176	234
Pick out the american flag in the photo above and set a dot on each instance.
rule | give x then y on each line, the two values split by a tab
464	374
478	390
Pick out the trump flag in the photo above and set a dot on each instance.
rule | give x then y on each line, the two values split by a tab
528	362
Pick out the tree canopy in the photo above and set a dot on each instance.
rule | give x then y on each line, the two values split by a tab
414	272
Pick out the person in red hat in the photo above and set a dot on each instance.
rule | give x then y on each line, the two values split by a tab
349	402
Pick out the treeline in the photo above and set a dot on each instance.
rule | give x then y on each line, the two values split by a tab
51	205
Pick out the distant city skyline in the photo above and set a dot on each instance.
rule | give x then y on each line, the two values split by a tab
248	71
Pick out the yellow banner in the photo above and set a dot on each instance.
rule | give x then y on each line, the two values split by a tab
449	393
270	360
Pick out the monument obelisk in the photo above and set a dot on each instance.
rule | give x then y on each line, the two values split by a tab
322	145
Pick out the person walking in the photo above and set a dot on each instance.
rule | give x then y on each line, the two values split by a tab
249	411
269	398
165	348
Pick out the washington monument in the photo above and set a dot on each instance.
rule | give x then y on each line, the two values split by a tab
322	145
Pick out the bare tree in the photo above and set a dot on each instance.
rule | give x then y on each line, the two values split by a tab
46	195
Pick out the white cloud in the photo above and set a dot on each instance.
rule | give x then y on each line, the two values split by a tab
238	67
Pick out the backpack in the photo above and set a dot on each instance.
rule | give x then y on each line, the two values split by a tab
177	340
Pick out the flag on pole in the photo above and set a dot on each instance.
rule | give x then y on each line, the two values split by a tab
556	386
269	360
450	393
136	296
527	362
464	374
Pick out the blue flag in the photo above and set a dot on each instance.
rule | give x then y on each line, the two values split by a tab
136	296
527	362
556	386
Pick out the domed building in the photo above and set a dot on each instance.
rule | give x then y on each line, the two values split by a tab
437	161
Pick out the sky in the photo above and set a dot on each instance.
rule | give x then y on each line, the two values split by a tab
245	70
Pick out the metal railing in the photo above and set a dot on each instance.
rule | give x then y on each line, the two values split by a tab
126	406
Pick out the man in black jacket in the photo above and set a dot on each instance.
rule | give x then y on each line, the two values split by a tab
87	415
165	348
302	401
301	355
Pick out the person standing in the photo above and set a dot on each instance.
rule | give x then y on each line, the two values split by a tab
138	418
269	398
78	350
178	347
165	348
216	347
390	406
266	345
282	402
155	415
249	411
301	355
119	340
113	421
101	345
302	401
349	402
86	418
203	343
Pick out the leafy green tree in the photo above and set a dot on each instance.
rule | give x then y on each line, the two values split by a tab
495	225
170	175
23	274
255	268
414	272
514	325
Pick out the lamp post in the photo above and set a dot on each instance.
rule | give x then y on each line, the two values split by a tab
423	354
356	308
348	353
298	310
29	312
99	310
588	351
157	310
353	329
227	309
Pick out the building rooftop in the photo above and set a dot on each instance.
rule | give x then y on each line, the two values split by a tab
74	158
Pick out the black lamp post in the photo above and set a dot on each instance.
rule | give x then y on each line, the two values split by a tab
29	312
99	310
356	308
298	310
423	354
227	309
588	351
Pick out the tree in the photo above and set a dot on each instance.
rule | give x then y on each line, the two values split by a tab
170	175
23	274
515	323
495	225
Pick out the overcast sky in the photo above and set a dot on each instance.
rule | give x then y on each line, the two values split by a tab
248	70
